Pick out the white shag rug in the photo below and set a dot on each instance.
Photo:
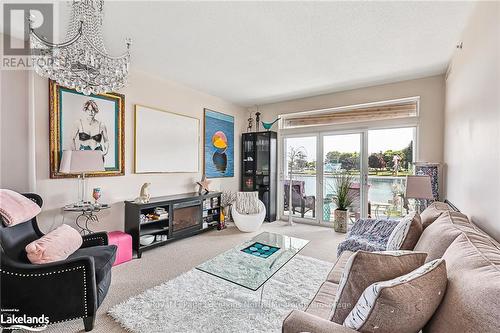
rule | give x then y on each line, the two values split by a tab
199	302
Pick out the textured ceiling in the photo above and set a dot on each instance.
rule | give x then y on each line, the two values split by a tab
260	52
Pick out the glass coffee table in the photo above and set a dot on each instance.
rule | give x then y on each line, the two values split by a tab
254	262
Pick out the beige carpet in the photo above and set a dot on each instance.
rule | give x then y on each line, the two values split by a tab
164	263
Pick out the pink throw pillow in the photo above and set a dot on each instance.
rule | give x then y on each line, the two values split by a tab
57	245
16	208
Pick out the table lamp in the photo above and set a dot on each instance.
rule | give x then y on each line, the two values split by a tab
420	188
80	162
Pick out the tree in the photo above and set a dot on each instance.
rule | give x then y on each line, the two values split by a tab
408	155
376	161
311	165
349	161
297	158
300	162
332	157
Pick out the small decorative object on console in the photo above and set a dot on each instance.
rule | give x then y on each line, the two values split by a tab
144	196
268	126
203	185
250	123
257	121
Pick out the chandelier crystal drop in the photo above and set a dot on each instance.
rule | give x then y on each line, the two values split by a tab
81	62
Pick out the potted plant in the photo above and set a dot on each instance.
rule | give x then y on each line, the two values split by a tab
343	199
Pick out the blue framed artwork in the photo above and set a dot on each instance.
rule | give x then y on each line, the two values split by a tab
80	122
218	147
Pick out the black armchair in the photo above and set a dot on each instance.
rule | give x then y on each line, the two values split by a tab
69	289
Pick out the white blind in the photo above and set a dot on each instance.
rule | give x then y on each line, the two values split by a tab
403	109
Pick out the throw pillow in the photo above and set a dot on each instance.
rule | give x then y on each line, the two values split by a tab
15	208
404	304
57	245
406	233
247	202
440	234
364	268
431	213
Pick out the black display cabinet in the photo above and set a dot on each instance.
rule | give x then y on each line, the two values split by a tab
259	169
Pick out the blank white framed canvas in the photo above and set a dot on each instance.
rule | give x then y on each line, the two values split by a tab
165	141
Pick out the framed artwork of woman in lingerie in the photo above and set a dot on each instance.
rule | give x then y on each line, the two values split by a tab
80	122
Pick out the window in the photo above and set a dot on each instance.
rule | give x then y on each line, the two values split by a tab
405	108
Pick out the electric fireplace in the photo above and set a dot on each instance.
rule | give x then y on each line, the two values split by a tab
186	215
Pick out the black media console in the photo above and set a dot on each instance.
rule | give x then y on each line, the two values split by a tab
171	217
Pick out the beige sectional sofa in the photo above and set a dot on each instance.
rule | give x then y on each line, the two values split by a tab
472	299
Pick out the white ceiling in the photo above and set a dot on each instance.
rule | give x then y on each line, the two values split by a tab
260	52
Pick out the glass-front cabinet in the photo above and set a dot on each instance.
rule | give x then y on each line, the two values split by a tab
259	168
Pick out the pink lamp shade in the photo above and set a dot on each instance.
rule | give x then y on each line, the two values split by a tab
419	187
81	161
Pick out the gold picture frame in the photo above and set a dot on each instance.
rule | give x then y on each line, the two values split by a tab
67	128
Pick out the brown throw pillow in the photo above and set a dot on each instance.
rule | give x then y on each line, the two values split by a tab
439	235
431	213
363	269
403	304
406	234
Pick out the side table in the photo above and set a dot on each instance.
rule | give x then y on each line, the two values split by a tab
87	214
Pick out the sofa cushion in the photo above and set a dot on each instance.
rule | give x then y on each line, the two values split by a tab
403	304
472	300
406	234
431	213
439	235
104	257
336	272
365	268
322	303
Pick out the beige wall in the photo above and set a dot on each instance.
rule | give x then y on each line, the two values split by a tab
472	120
14	130
142	89
430	90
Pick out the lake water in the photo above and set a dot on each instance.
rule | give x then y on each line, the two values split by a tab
380	187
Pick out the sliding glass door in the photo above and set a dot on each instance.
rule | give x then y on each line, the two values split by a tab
377	162
390	158
341	157
300	170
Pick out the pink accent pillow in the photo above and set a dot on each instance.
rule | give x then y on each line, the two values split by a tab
16	208
54	246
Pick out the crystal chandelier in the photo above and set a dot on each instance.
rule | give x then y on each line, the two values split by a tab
81	62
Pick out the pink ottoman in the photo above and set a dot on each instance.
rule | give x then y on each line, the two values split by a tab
124	243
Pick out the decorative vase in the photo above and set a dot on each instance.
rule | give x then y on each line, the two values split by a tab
223	218
340	220
227	213
96	194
